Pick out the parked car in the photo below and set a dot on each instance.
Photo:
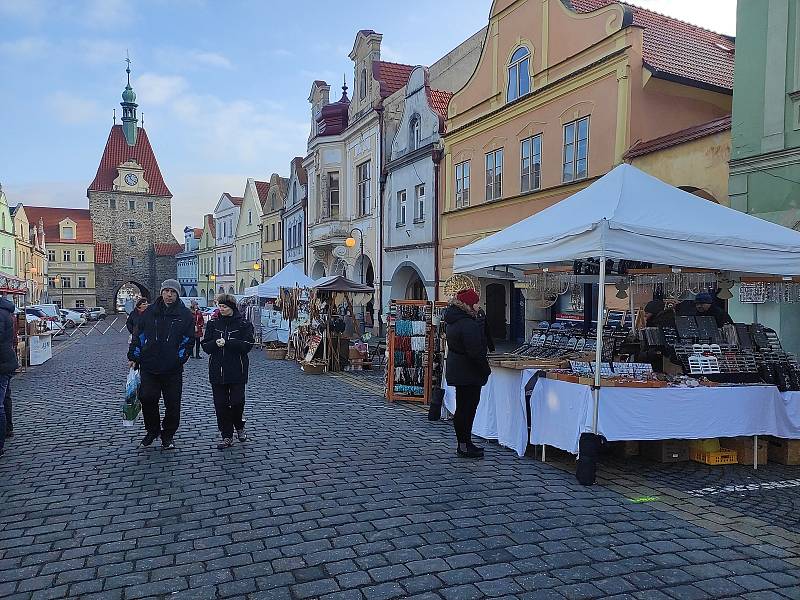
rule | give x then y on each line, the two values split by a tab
37	313
95	313
72	318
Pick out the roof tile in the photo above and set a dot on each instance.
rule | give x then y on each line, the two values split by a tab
262	189
168	249
679	137
391	76
438	101
51	217
102	253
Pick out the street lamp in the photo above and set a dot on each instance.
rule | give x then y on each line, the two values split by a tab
58	284
350	242
28	289
258	266
210	277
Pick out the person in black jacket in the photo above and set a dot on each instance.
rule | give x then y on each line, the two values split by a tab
8	359
136	315
159	349
467	365
227	341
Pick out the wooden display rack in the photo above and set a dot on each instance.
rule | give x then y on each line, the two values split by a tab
391	395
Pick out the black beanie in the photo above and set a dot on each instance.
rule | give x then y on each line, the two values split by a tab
654	307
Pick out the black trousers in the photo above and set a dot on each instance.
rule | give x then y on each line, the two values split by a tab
467	399
153	387
9	420
197	346
229	406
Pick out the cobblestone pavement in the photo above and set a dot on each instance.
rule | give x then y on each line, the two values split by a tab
337	495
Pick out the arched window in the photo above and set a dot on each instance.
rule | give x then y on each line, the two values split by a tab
362	84
415	131
519	80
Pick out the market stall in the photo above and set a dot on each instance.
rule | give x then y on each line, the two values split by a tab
626	216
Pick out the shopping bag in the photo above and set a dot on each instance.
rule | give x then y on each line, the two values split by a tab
131	407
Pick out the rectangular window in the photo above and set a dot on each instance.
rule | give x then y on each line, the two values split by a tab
68	233
51	255
81	256
80	304
494	174
150	206
131	204
131	261
419	203
576	150
273	232
401	208
273	267
531	164
81	282
112	203
363	186
66	282
279	265
67	255
51	281
333	195
249	217
280	232
462	184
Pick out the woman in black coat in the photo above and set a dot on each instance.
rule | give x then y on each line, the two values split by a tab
467	365
136	315
227	341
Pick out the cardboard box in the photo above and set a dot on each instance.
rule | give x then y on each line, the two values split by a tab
785	452
666	451
626	449
744	449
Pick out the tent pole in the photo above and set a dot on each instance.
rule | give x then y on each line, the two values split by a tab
598	353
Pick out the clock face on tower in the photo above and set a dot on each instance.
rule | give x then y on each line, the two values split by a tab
131	179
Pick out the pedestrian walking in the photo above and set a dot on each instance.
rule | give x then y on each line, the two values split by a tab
159	349
467	365
136	315
199	324
8	360
227	341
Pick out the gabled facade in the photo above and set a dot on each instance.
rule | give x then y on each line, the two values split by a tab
187	261
8	250
560	93
206	261
248	239
272	225
70	254
31	254
294	216
226	218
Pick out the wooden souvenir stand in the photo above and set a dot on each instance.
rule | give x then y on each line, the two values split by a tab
409	382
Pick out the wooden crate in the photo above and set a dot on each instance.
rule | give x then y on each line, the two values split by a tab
666	451
276	353
722	457
744	449
785	452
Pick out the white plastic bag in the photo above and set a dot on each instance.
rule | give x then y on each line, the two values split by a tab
131	407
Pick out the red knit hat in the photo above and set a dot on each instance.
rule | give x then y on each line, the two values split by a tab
469	297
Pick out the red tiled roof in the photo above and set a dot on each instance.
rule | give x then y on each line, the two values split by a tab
212	225
678	49
102	253
168	249
262	189
117	152
679	137
302	176
198	233
439	100
391	76
237	200
51	217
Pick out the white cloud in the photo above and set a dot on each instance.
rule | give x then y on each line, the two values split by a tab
26	48
159	89
188	58
72	109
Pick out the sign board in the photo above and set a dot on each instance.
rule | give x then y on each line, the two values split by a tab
313	346
41	348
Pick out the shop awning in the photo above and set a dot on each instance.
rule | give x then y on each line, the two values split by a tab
339	283
10	284
628	214
288	277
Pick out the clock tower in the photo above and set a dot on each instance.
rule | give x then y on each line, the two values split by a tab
131	211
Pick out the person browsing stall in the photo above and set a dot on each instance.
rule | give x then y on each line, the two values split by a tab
704	306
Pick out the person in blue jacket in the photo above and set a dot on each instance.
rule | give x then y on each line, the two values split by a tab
160	346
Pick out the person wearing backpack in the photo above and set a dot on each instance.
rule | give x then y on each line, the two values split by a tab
228	339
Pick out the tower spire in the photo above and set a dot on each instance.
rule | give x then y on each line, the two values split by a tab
129	121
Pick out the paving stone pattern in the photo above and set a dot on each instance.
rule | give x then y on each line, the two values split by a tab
337	495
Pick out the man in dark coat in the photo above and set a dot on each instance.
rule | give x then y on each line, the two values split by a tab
160	347
467	365
227	341
8	360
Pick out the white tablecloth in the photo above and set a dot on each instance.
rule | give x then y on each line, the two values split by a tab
502	414
561	411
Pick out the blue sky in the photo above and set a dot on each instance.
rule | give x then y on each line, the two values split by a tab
223	85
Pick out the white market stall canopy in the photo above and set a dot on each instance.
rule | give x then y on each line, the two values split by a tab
628	214
288	277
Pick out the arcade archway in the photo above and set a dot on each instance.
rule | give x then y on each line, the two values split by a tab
127	294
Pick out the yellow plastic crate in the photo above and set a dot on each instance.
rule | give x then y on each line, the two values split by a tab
722	457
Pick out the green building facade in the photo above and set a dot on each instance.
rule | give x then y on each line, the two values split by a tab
7	238
765	134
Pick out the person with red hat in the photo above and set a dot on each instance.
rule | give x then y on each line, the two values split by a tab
467	365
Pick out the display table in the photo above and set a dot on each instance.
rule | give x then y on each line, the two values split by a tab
502	414
561	411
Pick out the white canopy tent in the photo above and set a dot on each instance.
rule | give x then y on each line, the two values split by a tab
628	214
288	277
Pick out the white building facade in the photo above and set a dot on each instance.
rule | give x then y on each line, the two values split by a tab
294	216
187	261
226	218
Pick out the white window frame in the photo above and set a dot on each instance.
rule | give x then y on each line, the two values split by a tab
571	152
364	185
79	303
462	183
401	208
419	203
66	256
494	174
66	282
416	132
530	163
51	256
334	175
82	280
81	255
519	83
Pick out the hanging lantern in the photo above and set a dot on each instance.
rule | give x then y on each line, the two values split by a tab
622	288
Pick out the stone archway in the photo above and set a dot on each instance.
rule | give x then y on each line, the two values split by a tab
407	284
126	295
698	192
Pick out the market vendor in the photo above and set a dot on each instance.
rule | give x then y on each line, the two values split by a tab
657	314
704	305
